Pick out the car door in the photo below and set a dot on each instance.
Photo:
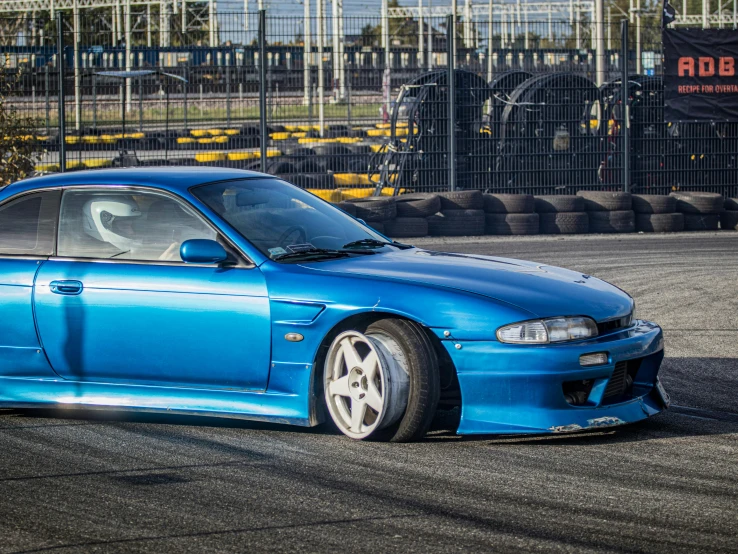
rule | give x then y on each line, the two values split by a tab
27	232
117	304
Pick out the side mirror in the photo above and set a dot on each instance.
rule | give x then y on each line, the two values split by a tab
202	251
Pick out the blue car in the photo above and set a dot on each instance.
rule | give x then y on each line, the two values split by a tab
235	294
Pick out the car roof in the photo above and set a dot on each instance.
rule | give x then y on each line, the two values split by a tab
172	178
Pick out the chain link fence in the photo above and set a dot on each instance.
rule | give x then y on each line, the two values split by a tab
349	104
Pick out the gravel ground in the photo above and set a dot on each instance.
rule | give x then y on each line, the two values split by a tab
121	483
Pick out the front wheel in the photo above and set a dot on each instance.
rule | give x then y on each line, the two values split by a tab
382	381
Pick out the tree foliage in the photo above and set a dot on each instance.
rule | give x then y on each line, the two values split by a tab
17	149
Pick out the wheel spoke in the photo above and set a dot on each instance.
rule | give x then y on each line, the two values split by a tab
373	398
358	411
339	387
370	365
350	355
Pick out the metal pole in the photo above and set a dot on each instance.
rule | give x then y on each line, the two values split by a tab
321	74
140	104
430	34
211	23
467	24
77	29
452	29
262	89
421	46
348	98
184	95
148	25
114	25
62	116
385	33
639	61
490	30
94	101
228	89
183	13
308	51
129	61
705	14
609	28
625	104
334	57
48	103
599	25
451	105
341	51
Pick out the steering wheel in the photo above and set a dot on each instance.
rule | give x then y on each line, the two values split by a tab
302	236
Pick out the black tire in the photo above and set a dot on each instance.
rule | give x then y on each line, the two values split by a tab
310	165
406	227
654	204
559	204
612	222
509	203
731	204
606	201
347	207
425	388
565	223
375	208
512	224
417	205
659	223
698	202
456	223
462	200
378	226
729	221
701	222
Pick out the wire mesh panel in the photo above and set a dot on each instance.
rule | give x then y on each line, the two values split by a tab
358	105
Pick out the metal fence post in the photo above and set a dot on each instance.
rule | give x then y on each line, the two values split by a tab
62	115
625	126
184	96
48	100
228	89
451	102
262	89
94	101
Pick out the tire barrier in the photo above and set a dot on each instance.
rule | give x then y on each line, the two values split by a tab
427	214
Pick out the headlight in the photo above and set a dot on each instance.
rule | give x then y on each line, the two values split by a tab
544	331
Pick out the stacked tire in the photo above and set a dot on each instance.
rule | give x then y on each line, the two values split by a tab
657	214
609	212
461	214
376	211
561	215
701	210
510	214
413	211
729	217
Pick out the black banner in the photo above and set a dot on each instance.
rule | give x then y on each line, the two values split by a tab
700	75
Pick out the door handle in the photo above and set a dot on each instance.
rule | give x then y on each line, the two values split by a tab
69	288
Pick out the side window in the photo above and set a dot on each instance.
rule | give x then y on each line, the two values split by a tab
126	225
28	224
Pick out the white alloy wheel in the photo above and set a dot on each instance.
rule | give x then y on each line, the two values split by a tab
366	382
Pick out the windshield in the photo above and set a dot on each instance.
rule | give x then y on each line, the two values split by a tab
283	221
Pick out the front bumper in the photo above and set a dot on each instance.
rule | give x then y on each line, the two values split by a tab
507	388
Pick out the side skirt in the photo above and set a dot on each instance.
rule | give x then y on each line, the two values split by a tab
290	409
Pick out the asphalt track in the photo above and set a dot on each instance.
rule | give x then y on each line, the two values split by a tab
116	483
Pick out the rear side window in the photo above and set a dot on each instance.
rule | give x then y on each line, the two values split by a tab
28	224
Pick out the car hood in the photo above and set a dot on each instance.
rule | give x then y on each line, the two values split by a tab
542	290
